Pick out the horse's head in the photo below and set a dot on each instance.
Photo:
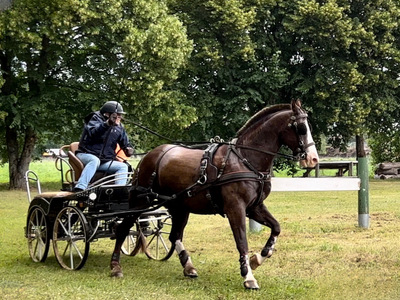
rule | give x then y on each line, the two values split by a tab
297	136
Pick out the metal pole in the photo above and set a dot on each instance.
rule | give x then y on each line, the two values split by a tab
363	193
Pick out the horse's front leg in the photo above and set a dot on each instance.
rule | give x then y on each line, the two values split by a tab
179	221
261	215
121	232
237	221
188	268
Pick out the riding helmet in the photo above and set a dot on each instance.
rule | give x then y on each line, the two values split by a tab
112	107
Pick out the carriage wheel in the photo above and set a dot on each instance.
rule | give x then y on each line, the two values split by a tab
70	238
133	242
38	234
158	245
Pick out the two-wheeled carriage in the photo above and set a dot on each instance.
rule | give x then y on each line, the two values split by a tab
71	221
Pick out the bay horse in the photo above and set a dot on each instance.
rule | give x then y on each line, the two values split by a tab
234	182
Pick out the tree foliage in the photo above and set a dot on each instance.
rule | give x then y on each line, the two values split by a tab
341	58
348	72
385	145
202	66
61	59
226	81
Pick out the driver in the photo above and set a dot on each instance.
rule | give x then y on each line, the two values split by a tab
101	134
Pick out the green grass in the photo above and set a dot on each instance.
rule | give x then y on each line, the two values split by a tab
321	254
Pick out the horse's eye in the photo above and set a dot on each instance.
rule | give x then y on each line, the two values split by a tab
302	129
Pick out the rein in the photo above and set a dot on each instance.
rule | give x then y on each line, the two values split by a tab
287	156
199	143
218	140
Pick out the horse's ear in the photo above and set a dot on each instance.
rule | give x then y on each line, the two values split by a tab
296	105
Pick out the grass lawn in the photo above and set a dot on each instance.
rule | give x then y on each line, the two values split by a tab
321	254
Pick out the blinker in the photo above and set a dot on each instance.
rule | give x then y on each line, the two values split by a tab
302	129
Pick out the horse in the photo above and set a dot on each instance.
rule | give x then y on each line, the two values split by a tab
231	179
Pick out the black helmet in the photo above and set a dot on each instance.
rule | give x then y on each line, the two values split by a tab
112	107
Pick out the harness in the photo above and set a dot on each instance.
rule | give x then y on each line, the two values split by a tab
211	176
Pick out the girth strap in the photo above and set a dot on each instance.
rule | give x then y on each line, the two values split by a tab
242	176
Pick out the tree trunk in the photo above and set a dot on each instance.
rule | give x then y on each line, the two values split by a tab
19	157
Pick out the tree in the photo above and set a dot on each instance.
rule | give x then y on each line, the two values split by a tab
225	80
385	144
341	58
61	59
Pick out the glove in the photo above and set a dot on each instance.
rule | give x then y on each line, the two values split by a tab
129	151
112	120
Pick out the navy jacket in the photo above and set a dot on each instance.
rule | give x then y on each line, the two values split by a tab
100	139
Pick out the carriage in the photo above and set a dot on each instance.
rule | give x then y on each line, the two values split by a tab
72	221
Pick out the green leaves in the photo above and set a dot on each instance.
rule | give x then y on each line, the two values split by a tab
196	69
60	60
348	54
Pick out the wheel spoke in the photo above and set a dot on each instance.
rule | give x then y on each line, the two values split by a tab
151	240
78	251
129	244
65	231
39	247
35	250
36	218
71	257
162	240
66	248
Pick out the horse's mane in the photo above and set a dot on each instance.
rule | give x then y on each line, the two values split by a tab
261	116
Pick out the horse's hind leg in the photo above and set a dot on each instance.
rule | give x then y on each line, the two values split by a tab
261	215
179	222
121	232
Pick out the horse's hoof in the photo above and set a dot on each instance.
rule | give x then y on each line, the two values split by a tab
192	273
255	261
116	271
251	285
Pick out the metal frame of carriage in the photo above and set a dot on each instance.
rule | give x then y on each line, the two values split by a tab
71	221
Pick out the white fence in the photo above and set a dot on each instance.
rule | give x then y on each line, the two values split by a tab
310	184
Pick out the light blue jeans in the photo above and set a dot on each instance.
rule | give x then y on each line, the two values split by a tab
92	164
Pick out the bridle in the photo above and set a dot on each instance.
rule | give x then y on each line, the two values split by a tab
301	131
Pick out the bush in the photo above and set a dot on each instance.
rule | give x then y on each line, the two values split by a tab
385	145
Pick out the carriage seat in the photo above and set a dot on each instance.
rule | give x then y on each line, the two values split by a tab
76	165
75	162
